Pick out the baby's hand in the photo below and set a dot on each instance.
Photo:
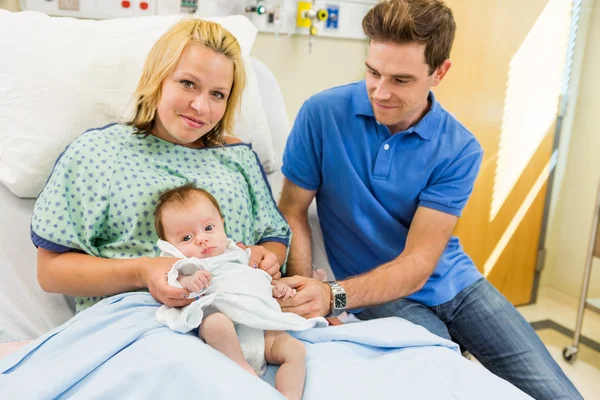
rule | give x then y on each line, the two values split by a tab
283	291
196	282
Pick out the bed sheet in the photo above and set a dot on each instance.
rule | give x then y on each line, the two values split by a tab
128	354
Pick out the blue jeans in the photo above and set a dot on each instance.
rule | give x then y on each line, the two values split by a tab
482	321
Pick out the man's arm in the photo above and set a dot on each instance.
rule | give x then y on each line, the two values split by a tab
427	238
294	205
428	235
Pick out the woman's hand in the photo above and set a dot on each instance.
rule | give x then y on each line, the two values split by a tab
263	259
154	277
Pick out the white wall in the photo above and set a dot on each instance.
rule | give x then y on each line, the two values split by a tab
578	171
332	62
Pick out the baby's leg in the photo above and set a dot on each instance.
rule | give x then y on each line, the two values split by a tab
281	348
218	331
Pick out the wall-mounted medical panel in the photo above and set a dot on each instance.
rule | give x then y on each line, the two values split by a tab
343	19
281	17
104	9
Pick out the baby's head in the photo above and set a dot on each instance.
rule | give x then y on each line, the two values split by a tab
190	219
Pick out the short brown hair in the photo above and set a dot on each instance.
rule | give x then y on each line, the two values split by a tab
178	195
428	22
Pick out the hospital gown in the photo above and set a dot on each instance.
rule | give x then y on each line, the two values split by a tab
102	194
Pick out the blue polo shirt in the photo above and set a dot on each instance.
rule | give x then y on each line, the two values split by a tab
369	183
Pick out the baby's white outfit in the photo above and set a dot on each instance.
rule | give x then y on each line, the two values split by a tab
242	293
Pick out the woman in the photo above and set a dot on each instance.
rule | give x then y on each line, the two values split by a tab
99	240
94	222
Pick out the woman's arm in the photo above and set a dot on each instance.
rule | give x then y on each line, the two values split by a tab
77	274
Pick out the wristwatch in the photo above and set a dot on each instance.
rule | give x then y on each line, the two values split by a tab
338	299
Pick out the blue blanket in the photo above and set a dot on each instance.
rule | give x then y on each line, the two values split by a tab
117	349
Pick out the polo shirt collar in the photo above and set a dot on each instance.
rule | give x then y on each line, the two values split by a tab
425	128
360	100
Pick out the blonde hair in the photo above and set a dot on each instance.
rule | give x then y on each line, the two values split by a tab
161	63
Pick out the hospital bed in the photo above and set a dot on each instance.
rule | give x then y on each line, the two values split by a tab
379	358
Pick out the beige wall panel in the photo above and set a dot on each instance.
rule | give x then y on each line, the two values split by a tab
523	186
488	35
514	272
10	5
472	228
477	234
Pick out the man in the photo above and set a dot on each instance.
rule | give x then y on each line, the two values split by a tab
392	171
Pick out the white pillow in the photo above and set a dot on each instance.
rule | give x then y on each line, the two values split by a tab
254	123
62	76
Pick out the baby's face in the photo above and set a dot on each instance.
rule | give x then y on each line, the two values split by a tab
195	227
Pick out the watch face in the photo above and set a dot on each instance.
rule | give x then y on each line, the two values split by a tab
340	301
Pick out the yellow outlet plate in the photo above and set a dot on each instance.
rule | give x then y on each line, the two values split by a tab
300	21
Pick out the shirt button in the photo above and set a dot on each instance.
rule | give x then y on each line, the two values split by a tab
386	146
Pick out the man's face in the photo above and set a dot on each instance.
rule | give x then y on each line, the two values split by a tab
398	83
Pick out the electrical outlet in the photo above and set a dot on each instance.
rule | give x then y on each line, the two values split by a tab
72	5
333	17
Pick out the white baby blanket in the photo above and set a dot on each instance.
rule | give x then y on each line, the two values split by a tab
242	293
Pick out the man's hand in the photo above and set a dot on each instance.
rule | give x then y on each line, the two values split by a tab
263	259
313	298
154	277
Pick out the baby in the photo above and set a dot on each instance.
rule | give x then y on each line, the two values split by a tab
190	219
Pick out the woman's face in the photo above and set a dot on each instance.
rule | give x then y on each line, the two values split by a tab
194	96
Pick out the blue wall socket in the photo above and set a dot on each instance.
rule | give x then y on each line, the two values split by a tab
332	20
